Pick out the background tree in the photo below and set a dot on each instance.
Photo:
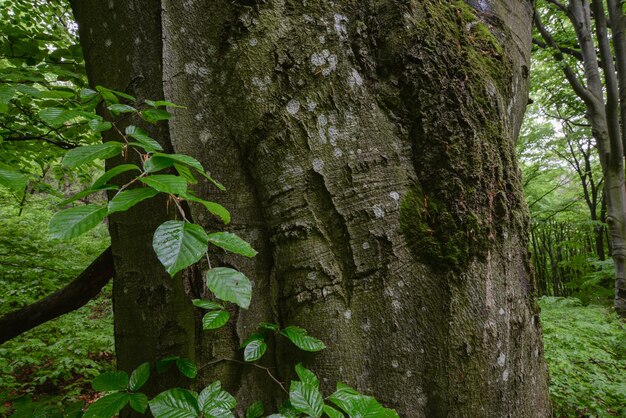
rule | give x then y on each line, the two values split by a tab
368	153
591	50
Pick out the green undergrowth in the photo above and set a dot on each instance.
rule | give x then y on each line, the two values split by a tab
585	347
59	358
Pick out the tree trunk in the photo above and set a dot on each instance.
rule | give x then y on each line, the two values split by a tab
367	149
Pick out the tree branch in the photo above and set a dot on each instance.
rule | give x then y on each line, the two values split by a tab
567	51
73	296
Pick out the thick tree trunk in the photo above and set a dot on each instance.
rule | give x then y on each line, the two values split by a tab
367	149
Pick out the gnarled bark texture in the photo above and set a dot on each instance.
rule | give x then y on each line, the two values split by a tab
367	148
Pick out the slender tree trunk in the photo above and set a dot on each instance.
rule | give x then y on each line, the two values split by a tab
368	152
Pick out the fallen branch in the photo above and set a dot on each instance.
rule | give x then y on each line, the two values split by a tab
85	287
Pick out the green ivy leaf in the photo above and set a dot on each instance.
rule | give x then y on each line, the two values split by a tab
232	243
115	171
175	403
139	376
110	381
107	406
306	399
83	155
179	244
357	405
129	198
300	338
306	375
230	285
215	319
255	410
72	222
166	183
207	304
139	402
143	138
187	367
254	350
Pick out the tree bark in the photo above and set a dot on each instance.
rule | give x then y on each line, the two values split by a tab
368	154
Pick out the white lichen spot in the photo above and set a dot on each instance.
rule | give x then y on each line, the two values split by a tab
261	84
395	304
366	245
501	312
191	68
203	72
321	127
311	106
337	152
293	106
253	42
366	326
318	165
340	26
110	4
505	375
395	196
332	65
395	364
318	59
355	79
333	133
322	39
312	275
205	136
379	211
137	40
501	360
108	43
409	373
307	18
198	117
347	314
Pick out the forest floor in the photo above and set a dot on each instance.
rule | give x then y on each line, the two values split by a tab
585	346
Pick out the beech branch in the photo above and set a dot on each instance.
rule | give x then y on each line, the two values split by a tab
85	287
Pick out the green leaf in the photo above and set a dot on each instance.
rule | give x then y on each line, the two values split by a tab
107	406
332	412
165	363
129	198
110	381
214	208
12	179
121	108
161	103
252	337
142	137
183	159
215	319
216	402
139	376
154	164
254	350
72	222
175	403
212	180
179	244
99	126
230	285
268	326
86	193
87	94
306	375
232	243
358	405
207	304
255	410
6	94
300	338
139	402
155	115
88	153
115	171
306	399
56	117
186	173
166	183
187	367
